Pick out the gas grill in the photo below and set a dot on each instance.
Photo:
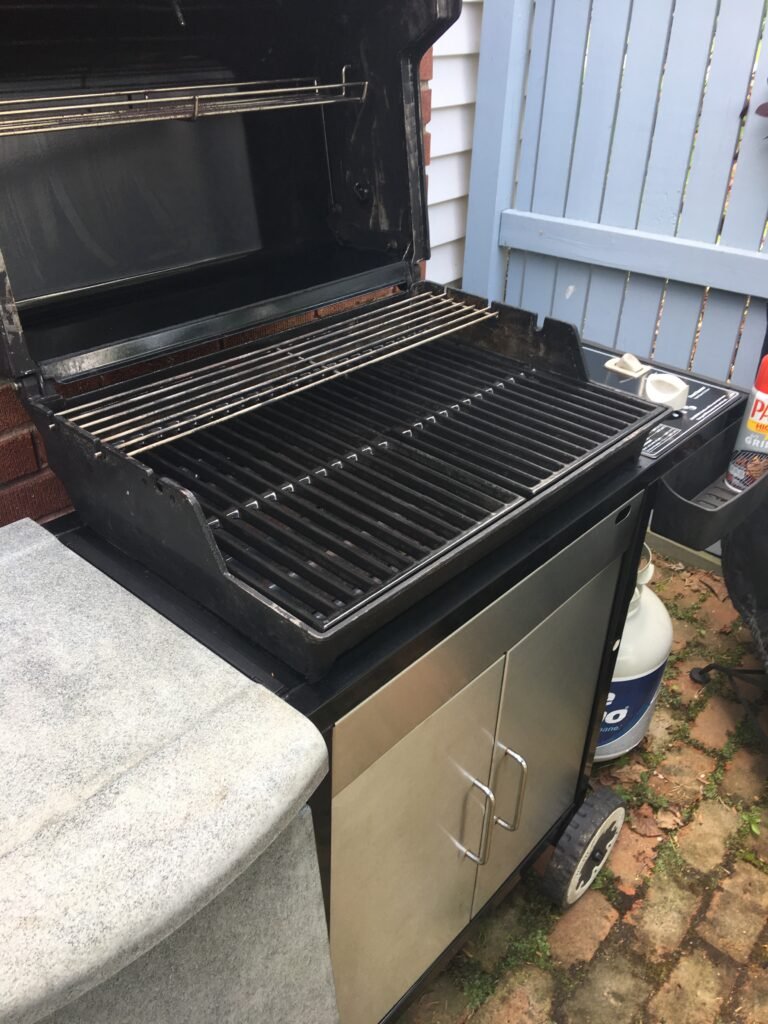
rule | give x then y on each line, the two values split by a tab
237	373
212	217
337	473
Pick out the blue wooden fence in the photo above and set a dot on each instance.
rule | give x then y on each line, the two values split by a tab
620	173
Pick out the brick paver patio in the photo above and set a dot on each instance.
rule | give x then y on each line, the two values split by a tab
675	930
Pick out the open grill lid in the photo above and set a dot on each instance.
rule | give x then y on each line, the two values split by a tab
178	170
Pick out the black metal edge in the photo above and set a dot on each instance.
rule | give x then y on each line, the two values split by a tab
15	360
132	350
447	12
625	587
320	804
555	346
679	517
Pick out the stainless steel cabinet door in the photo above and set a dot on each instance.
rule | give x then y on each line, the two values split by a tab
402	885
547	697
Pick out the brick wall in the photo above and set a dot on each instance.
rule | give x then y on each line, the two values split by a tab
28	486
425	76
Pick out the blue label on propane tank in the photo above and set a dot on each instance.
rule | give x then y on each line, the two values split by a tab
627	702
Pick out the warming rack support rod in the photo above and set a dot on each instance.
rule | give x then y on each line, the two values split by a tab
34	115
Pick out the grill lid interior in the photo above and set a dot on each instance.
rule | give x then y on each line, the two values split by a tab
173	172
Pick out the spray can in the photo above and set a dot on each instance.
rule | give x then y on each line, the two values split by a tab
750	456
642	658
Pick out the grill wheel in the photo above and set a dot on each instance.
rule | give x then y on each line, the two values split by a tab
584	847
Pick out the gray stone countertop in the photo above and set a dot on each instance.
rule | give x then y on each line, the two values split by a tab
139	774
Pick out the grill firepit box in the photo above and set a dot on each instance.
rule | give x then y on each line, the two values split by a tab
212	219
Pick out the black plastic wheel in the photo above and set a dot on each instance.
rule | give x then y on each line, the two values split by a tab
584	847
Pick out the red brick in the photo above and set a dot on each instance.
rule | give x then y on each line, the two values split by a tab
524	999
717	722
426	104
36	496
745	776
682	774
577	935
42	454
426	67
703	842
736	915
427	146
12	412
632	859
753	998
693	992
17	455
663	917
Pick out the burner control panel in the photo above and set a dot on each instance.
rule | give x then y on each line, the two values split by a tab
705	399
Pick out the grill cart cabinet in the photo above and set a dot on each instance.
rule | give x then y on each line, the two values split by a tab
447	777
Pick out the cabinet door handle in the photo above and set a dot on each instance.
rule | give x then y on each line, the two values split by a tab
520	792
489	806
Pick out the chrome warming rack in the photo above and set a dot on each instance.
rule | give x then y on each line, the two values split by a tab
64	112
145	416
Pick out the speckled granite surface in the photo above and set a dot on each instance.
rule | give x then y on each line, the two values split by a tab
256	954
139	775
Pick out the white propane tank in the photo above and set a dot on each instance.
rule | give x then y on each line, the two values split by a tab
642	658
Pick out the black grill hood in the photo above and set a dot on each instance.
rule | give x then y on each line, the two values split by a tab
126	240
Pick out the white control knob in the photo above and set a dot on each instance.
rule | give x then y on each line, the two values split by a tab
666	389
627	365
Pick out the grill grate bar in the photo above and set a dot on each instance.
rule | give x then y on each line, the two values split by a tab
265	357
486	398
173	411
321	503
309	570
306	530
323	554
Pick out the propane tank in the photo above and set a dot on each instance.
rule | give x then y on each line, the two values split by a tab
642	658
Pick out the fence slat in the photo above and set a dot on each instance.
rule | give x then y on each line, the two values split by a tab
742	228
640	252
681	90
594	129
558	122
646	45
620	157
716	136
751	344
497	124
522	196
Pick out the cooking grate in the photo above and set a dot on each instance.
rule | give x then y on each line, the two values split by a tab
145	416
31	115
322	502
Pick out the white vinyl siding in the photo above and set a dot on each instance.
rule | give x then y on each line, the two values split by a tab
454	86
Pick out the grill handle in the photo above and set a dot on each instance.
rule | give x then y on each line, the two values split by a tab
508	752
489	806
